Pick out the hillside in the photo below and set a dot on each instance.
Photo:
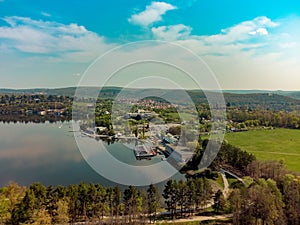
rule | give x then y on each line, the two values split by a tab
269	100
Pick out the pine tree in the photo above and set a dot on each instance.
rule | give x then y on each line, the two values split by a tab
181	193
191	195
61	214
291	197
153	202
219	201
169	194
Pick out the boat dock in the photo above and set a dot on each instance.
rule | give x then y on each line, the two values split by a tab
144	152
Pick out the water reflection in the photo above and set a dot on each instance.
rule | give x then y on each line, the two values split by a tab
48	153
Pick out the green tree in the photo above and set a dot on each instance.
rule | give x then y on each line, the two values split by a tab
91	203
219	201
117	201
203	192
110	199
181	193
291	198
191	195
40	217
169	194
153	202
5	214
72	193
142	206
10	196
35	199
83	199
261	203
61	214
131	202
235	200
101	200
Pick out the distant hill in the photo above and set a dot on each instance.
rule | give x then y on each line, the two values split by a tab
67	91
276	100
263	100
292	94
247	91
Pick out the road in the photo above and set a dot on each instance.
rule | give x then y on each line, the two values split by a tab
226	184
199	218
233	175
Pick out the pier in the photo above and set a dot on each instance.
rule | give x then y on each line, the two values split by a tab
144	152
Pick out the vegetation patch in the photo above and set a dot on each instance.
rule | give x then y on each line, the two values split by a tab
276	144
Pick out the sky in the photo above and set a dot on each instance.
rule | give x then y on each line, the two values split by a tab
246	44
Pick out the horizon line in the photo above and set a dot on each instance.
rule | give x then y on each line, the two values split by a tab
188	89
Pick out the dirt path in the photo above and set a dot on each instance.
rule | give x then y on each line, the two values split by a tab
200	218
226	184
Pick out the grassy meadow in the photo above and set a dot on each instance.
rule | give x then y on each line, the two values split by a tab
270	144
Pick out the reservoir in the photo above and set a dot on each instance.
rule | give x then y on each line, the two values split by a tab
48	153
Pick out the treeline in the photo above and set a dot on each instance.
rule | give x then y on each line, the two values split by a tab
35	108
96	204
234	158
187	197
38	204
272	198
33	119
28	108
228	156
243	118
262	101
254	117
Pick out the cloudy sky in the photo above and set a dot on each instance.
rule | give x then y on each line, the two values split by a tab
246	44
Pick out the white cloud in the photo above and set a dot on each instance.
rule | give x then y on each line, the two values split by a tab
37	53
151	14
245	36
171	33
46	37
259	31
288	45
45	14
264	21
258	53
243	31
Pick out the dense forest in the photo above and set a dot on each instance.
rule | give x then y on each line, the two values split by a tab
38	204
260	200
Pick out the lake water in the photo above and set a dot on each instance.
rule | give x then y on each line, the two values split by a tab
48	153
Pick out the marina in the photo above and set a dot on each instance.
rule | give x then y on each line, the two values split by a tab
144	152
166	145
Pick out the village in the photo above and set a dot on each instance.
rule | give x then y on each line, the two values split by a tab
150	136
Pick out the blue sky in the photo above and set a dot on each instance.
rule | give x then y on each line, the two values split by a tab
247	44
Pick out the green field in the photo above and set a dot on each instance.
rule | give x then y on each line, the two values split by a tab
270	144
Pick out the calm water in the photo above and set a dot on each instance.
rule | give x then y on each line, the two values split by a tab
48	153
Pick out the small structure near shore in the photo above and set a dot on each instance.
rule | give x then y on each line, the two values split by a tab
144	152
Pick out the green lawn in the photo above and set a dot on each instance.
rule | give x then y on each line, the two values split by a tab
270	144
